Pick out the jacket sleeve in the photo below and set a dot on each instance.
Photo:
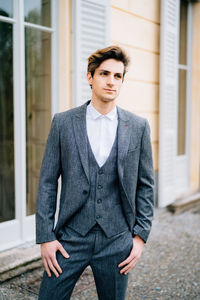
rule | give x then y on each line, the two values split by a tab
145	188
48	185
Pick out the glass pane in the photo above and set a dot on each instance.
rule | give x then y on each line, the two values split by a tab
38	12
6	8
7	187
182	112
38	106
183	33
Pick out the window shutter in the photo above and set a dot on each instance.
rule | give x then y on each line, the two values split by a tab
168	100
91	27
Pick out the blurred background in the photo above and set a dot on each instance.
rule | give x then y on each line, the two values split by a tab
44	45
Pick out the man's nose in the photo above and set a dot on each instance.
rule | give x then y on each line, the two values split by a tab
110	80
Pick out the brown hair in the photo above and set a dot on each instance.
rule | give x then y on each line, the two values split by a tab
115	52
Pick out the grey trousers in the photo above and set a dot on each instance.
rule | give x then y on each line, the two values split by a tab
101	253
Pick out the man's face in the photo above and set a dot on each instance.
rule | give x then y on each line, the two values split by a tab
107	80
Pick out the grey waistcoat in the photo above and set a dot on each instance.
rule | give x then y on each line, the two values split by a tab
103	205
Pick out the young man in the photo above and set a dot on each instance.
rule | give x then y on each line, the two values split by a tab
103	155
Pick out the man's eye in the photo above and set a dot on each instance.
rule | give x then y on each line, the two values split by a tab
103	73
118	76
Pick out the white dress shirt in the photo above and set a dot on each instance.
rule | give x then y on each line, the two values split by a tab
101	131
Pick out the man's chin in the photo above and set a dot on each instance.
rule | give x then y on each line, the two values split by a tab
108	99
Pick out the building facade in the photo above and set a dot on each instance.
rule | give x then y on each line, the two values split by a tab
44	46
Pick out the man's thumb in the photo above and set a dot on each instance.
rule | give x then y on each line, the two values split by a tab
63	252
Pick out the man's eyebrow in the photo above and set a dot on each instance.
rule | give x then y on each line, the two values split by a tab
102	70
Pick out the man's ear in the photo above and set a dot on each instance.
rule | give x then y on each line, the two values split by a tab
89	78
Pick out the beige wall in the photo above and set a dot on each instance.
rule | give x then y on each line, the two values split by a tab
65	54
195	103
135	25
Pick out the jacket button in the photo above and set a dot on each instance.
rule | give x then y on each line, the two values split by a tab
99	186
99	201
85	192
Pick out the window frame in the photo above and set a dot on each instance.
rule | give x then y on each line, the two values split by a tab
169	163
22	228
182	167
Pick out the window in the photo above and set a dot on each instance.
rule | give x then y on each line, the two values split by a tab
27	101
38	91
183	70
7	184
175	69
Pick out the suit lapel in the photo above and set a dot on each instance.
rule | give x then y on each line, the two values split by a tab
124	133
80	132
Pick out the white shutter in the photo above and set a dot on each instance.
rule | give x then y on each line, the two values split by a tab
168	100
91	28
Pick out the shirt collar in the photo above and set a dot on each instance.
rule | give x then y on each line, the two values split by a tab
94	114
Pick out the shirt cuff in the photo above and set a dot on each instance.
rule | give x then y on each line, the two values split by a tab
143	234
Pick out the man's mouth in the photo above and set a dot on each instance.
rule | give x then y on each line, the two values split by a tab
109	90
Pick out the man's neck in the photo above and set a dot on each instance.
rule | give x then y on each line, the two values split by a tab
103	107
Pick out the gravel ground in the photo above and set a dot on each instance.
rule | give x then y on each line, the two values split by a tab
168	269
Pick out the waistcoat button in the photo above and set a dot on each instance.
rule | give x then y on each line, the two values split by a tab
85	192
99	186
99	201
100	172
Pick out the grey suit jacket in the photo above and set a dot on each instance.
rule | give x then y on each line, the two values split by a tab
66	155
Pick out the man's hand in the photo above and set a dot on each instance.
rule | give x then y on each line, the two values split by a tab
134	256
48	253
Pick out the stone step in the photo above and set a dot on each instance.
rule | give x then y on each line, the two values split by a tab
18	260
191	202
